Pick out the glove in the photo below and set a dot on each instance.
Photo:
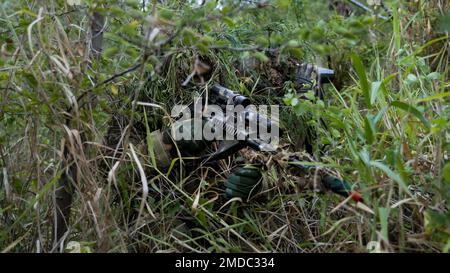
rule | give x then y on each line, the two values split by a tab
306	77
311	77
187	147
164	143
241	182
341	187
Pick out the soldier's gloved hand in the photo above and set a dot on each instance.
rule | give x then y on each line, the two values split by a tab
187	137
306	77
311	77
243	182
178	137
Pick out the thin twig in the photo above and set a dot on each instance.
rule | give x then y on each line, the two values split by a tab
110	79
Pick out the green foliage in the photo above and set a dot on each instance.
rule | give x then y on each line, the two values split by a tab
383	123
360	70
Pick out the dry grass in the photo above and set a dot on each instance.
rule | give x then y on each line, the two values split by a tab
122	203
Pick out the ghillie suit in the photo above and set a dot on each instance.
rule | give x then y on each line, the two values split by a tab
273	74
278	77
340	7
180	79
290	180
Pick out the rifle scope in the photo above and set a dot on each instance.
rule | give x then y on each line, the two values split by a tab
224	96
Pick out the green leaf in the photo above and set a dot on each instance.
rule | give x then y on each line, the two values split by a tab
116	11
109	52
294	101
411	79
435	97
411	109
446	247
130	28
135	14
210	5
132	4
166	14
261	56
293	43
434	76
226	9
189	36
420	49
436	225
295	52
288	98
310	95
369	130
228	21
396	28
446	172
384	215
28	12
375	87
283	3
133	53
391	174
207	40
301	108
202	47
42	193
361	72
30	79
443	23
